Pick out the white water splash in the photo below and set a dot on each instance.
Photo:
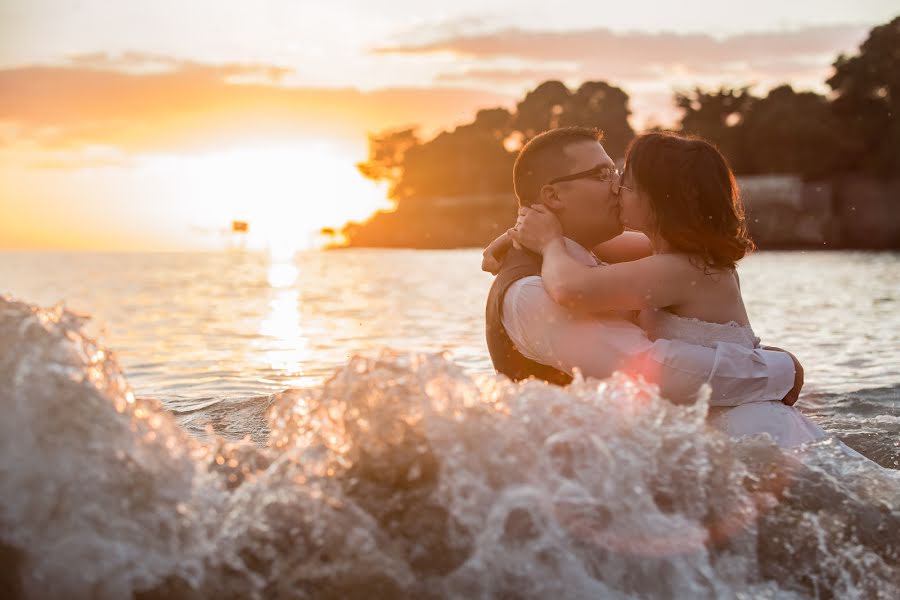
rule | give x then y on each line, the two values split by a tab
405	476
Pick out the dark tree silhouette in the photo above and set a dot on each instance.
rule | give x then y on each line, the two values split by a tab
794	132
867	98
717	115
472	159
387	152
477	158
456	189
598	104
542	108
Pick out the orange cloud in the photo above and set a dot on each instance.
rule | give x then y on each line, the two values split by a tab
139	102
144	62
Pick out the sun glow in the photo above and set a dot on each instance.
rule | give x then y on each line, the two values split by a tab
286	193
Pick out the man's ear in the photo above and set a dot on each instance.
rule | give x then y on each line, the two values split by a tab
550	199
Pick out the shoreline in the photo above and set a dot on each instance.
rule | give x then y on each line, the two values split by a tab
783	212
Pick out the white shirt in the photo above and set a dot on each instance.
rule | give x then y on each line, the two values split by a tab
597	345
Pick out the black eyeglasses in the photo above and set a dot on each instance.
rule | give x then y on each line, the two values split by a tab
600	173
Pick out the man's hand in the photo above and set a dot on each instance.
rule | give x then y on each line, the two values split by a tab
490	264
493	255
794	394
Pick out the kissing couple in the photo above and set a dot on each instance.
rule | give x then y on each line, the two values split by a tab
574	290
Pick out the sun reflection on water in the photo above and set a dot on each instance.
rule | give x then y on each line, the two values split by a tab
287	345
282	273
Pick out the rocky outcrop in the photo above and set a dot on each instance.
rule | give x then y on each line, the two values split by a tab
786	212
867	211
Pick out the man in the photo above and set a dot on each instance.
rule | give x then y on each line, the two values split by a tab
529	335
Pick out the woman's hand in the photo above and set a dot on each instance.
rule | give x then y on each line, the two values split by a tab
536	228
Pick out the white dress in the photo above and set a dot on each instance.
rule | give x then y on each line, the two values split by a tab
787	425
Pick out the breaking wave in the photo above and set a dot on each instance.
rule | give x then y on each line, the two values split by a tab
405	476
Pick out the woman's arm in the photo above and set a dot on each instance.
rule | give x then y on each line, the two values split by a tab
655	281
652	282
631	245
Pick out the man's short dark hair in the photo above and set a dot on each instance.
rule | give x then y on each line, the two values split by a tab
542	159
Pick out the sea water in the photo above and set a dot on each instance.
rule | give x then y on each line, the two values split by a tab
241	430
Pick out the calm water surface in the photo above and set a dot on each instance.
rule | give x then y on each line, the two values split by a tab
192	326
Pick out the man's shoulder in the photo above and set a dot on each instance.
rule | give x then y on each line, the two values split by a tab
525	298
527	281
526	291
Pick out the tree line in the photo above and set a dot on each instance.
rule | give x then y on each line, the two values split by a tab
853	129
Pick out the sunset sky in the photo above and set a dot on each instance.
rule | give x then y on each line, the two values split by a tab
134	125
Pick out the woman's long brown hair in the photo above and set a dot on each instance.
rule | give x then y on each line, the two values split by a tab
694	197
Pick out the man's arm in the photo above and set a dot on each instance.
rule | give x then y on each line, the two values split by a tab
793	395
552	335
547	333
492	257
736	374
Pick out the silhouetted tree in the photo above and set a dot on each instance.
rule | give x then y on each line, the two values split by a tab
495	121
387	151
598	104
472	159
594	104
717	115
784	132
477	158
541	109
867	98
794	132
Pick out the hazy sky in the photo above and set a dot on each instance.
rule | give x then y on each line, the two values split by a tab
128	124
